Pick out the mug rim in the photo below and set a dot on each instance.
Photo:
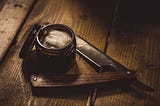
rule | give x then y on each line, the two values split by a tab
58	27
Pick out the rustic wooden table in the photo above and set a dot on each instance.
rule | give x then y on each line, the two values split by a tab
127	30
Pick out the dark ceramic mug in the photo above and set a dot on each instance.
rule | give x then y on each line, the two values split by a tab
52	54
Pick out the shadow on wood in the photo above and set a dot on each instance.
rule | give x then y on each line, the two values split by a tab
144	11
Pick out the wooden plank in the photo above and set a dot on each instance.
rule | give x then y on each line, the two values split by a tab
86	18
11	18
134	42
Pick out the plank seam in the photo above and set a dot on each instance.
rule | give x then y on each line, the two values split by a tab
111	24
92	97
13	42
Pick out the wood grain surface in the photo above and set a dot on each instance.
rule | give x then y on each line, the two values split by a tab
89	19
134	42
133	29
12	15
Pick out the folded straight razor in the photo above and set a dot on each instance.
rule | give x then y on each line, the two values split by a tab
103	62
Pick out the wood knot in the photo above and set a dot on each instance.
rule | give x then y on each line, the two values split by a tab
84	17
2	32
18	5
150	66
